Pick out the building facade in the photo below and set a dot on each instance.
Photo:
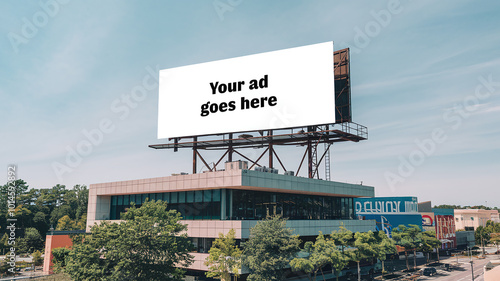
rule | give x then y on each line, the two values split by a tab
470	219
445	227
236	198
389	212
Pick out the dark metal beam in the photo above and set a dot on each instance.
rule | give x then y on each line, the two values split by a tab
203	160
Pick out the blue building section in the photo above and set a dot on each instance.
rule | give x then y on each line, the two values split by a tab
389	212
387	222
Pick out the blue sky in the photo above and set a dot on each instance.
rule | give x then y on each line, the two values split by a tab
418	68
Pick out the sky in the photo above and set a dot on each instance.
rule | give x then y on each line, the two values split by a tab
425	82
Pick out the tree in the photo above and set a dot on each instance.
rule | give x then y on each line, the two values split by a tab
342	238
65	223
37	258
429	242
339	261
269	249
482	235
495	238
364	248
147	245
319	255
409	238
384	246
59	258
224	257
31	240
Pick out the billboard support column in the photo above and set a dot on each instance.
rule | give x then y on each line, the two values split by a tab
195	139
309	157
230	148
271	149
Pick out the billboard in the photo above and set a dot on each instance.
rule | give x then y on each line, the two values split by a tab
281	89
386	205
428	222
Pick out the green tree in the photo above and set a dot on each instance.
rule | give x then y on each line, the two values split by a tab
37	258
147	245
384	246
364	248
224	257
32	240
319	254
339	261
495	239
482	235
65	223
429	242
409	238
269	249
342	238
59	258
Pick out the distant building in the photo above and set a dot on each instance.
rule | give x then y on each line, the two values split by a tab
445	227
389	212
470	219
441	221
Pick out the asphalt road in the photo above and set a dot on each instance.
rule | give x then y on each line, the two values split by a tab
462	270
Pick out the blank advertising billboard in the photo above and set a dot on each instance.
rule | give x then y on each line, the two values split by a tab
281	89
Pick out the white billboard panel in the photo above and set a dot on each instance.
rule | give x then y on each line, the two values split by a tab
281	89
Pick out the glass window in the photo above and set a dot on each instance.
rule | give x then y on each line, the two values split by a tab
198	196
143	199
182	197
173	197
126	200
207	196
114	200
166	197
120	200
113	212
216	195
189	197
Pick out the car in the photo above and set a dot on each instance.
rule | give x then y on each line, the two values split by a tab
429	271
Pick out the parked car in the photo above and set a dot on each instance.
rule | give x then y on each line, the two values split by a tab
429	271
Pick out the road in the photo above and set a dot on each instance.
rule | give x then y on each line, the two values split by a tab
462	271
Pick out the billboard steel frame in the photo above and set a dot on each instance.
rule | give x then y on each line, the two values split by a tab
309	137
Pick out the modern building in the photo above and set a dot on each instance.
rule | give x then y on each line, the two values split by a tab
236	198
389	212
441	221
470	219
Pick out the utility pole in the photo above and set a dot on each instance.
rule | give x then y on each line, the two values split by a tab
472	268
